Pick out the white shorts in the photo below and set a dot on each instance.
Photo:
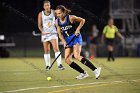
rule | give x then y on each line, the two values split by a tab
45	38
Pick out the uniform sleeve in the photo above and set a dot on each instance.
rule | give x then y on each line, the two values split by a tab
104	30
116	29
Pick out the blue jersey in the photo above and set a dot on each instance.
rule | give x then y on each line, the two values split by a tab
68	29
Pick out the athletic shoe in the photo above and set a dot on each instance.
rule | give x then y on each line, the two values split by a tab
113	59
61	67
82	75
108	59
97	72
47	68
92	57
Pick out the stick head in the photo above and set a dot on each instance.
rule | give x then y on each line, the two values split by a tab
50	67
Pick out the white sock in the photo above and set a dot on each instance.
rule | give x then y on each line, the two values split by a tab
59	58
47	59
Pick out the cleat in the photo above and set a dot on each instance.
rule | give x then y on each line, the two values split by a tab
92	57
97	72
82	75
47	68
61	67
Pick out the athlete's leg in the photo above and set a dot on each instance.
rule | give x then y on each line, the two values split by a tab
94	49
110	49
55	46
91	50
68	57
77	50
110	52
46	46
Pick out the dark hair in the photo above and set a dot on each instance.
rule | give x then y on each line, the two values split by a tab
63	9
46	1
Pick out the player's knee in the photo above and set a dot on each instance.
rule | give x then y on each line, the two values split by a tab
46	51
77	57
56	50
110	48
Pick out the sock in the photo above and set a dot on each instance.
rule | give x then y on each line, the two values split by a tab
76	67
59	58
109	55
47	59
88	64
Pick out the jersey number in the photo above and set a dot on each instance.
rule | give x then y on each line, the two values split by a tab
66	33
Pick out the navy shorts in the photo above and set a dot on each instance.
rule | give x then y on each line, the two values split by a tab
110	41
78	39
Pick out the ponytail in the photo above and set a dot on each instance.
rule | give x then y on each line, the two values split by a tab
63	9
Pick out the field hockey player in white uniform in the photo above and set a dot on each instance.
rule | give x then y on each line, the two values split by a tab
46	24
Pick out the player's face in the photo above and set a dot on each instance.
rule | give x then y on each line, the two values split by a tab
47	6
59	14
110	22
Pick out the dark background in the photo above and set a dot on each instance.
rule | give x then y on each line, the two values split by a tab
18	19
12	21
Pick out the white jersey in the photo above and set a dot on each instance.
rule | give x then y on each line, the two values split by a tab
48	22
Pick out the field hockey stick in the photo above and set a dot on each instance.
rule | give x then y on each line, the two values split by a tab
62	52
39	34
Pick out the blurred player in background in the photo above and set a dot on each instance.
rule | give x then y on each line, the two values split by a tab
109	32
93	39
65	24
46	24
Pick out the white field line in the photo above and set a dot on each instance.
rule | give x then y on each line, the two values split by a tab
81	84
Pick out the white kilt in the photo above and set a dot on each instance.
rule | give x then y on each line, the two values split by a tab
48	37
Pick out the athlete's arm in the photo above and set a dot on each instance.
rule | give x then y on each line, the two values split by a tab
59	33
103	34
120	35
77	19
40	21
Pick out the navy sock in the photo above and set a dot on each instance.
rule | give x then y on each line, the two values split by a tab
88	64
109	55
76	67
112	56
